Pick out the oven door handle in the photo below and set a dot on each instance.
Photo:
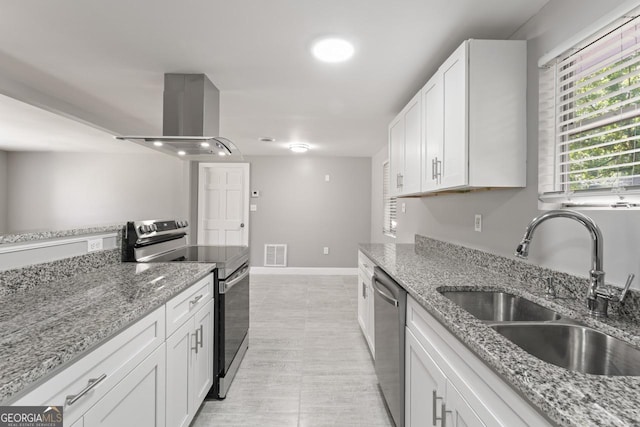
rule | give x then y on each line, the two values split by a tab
228	284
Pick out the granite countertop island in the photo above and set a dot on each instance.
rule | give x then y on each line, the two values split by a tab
565	397
45	327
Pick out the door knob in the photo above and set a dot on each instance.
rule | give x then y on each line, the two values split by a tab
242	225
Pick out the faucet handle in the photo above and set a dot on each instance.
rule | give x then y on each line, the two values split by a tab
615	294
627	285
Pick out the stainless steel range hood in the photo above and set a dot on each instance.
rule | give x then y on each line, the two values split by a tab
191	115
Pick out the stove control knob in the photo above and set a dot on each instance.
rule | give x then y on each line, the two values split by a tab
185	224
142	229
153	227
178	224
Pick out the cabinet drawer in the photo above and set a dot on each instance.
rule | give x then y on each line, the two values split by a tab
186	303
365	265
104	367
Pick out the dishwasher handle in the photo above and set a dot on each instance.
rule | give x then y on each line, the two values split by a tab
383	295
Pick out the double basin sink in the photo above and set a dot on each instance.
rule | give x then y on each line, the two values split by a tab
546	335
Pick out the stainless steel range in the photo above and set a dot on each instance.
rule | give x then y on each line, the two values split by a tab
166	241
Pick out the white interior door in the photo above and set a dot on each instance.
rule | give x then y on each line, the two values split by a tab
223	204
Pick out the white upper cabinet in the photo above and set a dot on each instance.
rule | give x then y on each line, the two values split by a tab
452	165
396	155
433	127
472	125
405	149
412	146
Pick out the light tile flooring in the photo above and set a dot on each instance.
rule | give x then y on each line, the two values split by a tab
307	363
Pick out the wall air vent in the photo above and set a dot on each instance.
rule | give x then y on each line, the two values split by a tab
275	255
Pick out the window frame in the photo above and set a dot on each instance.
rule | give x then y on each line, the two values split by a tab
552	191
389	203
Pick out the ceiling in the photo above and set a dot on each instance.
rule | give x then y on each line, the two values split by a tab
103	62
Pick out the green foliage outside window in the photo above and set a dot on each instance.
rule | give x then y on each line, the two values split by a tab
604	152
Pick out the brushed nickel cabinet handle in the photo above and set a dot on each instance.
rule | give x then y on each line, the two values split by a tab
195	300
73	398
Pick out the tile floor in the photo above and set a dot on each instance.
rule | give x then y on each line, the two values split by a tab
307	365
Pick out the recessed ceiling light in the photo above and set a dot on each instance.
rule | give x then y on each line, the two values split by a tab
299	147
181	153
157	143
266	139
332	50
204	144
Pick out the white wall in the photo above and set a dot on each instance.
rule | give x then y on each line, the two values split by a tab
72	190
560	244
298	207
3	192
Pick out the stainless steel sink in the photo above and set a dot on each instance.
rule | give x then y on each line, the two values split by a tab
500	306
574	347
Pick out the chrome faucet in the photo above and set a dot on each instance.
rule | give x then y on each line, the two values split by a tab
598	296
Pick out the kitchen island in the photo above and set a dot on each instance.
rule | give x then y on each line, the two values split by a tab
50	326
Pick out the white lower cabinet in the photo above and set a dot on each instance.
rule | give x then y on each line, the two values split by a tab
86	382
427	383
138	400
446	385
189	367
365	300
138	377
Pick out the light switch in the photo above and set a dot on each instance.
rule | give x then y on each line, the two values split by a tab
327	178
404	208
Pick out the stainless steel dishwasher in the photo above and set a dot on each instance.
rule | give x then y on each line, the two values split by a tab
390	306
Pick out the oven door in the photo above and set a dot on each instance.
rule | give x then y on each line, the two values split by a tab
232	326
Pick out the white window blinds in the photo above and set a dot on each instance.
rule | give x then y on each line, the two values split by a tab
389	204
589	117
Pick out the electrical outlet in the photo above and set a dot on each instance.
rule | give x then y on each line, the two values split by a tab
327	178
253	208
404	208
94	245
325	250
478	223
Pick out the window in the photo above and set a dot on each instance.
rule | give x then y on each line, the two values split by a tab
589	117
389	204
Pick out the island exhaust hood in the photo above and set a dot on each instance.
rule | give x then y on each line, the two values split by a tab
191	113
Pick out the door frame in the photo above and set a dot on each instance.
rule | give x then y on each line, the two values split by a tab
246	178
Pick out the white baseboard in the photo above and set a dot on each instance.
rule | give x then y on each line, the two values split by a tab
310	271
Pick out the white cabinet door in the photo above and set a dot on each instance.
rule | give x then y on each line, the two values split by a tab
459	413
396	155
363	315
455	142
138	400
371	323
412	146
425	385
179	347
202	365
79	423
433	132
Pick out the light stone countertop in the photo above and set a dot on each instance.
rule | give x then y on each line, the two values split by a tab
44	328
567	398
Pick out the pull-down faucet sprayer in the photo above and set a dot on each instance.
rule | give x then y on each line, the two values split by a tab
598	296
